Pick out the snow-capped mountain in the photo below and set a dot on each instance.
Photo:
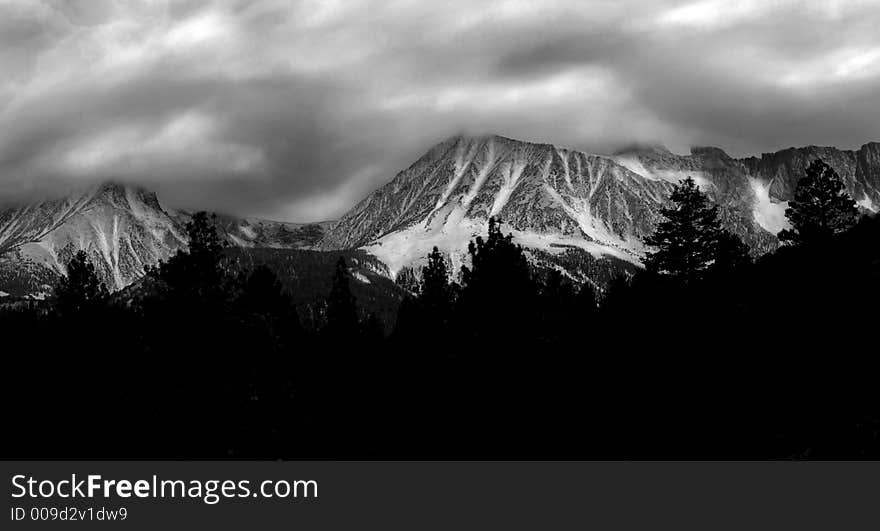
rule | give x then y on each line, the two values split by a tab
569	209
550	198
122	228
554	199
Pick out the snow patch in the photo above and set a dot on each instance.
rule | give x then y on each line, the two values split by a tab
593	227
511	179
400	249
248	231
867	204
672	176
360	277
238	241
3	294
556	244
635	165
768	214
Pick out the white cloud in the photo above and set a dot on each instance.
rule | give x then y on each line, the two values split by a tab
584	84
187	142
712	14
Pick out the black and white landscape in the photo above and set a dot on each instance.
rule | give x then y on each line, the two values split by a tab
555	201
369	230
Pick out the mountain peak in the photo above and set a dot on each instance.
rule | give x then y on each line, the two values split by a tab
121	194
638	147
487	138
112	187
110	190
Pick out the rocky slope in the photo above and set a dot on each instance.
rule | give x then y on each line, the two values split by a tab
860	170
550	198
122	228
554	200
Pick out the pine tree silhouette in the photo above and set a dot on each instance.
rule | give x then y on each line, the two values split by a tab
196	273
342	320
731	253
435	293
80	289
821	207
498	292
686	240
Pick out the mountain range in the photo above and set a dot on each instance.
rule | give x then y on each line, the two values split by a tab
584	213
123	229
557	201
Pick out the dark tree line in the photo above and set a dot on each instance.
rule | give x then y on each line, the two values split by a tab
706	353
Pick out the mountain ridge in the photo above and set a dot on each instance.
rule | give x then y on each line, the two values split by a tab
563	205
122	228
552	198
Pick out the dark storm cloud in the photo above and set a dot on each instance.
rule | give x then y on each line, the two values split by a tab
295	110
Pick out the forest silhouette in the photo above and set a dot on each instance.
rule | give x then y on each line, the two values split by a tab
709	352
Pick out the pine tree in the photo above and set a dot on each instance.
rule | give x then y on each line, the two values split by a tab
81	289
731	253
205	245
495	260
821	207
342	320
498	293
196	273
686	240
435	293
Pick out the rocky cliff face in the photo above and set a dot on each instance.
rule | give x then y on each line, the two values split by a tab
859	169
744	204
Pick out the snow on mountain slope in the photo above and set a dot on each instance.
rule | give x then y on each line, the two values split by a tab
123	229
753	192
549	198
866	203
769	214
745	206
553	199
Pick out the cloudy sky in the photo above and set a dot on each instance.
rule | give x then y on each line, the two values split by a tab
295	110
